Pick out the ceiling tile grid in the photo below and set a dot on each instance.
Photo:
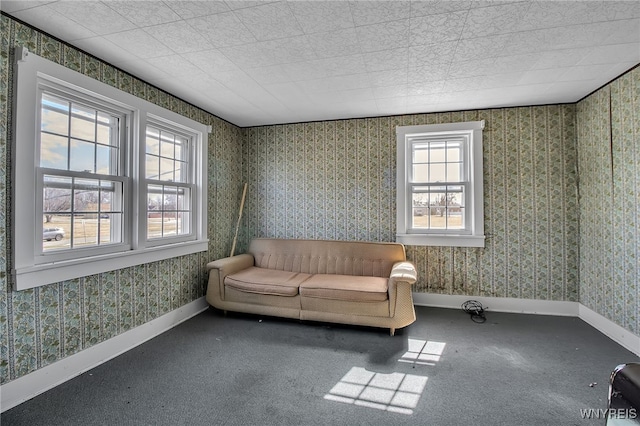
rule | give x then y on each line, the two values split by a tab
268	62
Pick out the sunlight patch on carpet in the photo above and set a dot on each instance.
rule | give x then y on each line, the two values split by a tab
395	392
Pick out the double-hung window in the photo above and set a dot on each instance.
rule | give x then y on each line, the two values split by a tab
101	179
439	185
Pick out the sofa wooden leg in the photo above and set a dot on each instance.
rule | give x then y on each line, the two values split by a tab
392	331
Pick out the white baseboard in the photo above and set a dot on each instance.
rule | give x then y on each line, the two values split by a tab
499	304
612	330
26	387
618	334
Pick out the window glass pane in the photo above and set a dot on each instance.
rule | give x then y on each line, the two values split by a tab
85	193
454	172
420	172
81	157
166	169
55	115
167	145
152	167
438	153
56	197
153	141
103	160
182	223
103	131
420	154
53	151
454	151
83	122
55	232
437	173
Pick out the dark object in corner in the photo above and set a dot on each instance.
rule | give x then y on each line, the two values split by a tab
475	309
624	395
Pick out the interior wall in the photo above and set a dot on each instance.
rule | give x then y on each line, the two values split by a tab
45	324
337	180
609	176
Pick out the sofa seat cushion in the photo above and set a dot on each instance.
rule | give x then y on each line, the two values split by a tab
266	281
345	287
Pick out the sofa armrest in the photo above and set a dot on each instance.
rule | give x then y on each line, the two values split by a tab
230	265
219	269
403	276
404	271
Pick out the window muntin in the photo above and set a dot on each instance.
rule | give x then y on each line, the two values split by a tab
168	180
80	153
80	175
439	185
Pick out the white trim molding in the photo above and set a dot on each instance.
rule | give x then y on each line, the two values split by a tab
618	334
33	384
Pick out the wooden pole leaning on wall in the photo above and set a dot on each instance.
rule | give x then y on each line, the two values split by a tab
235	238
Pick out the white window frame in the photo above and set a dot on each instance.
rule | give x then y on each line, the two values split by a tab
32	267
472	234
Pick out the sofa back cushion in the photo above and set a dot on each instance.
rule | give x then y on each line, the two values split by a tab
327	257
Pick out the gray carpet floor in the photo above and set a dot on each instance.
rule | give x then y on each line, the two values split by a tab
444	369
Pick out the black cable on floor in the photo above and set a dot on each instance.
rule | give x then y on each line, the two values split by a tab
475	309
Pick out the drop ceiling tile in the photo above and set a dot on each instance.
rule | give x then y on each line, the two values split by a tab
433	29
560	58
425	88
434	7
97	16
343	96
222	29
539	76
273	74
174	65
387	78
140	43
498	19
383	92
612	53
273	52
374	12
337	83
334	43
440	53
383	60
585	72
342	65
624	31
270	21
105	50
210	61
11	6
145	13
54	23
317	16
384	36
194	9
392	106
179	37
428	73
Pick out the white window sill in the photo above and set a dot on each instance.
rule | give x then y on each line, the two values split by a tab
441	240
38	275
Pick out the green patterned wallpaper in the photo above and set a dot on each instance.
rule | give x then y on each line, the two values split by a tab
609	171
45	324
336	180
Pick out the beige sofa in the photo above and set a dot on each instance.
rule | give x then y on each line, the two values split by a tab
360	283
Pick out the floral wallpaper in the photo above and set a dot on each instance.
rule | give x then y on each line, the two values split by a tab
546	170
336	180
42	325
609	171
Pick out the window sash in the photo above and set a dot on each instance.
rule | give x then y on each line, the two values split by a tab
118	239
